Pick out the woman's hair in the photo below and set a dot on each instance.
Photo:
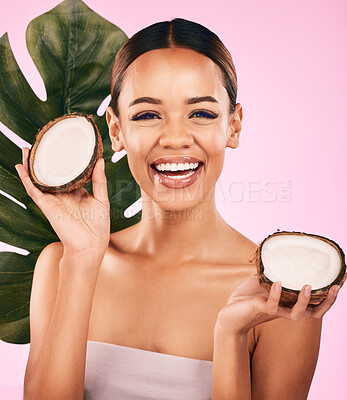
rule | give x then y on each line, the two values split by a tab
178	32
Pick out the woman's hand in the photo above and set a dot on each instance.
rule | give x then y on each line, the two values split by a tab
80	220
250	305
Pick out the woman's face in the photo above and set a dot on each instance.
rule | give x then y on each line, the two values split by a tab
180	116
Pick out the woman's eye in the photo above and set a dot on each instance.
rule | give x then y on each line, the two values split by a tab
204	114
146	115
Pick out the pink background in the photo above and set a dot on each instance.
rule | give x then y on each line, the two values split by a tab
287	173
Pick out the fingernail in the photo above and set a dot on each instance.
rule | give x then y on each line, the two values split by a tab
277	286
103	164
308	291
16	168
336	291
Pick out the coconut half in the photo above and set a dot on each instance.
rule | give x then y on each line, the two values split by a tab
297	259
64	153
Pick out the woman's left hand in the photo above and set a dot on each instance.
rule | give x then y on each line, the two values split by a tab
250	305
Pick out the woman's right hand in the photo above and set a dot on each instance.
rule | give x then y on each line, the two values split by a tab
81	221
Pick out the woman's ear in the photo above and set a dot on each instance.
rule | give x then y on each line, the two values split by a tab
114	129
235	126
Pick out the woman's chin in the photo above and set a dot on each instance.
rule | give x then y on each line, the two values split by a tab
179	199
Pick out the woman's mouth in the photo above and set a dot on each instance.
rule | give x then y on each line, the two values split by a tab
177	175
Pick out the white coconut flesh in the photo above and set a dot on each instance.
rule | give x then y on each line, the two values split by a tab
64	151
296	260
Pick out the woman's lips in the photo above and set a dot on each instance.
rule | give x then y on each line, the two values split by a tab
177	182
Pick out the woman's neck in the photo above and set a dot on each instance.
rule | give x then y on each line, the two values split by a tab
180	236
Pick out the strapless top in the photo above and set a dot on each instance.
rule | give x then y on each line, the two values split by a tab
125	373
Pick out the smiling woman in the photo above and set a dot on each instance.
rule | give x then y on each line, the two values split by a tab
168	308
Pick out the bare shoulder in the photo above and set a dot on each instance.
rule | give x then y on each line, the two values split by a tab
46	267
52	251
244	248
46	272
243	240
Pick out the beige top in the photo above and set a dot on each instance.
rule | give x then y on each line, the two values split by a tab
126	373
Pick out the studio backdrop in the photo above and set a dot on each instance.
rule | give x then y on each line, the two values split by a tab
288	173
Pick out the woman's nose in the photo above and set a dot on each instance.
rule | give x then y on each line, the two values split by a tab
176	135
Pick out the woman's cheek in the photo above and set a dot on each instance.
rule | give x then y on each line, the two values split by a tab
137	167
214	143
215	152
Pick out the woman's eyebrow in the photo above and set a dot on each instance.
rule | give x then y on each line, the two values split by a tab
200	99
153	100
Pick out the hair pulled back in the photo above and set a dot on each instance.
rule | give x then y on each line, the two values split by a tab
178	32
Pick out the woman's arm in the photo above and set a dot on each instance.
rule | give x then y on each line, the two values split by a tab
60	308
295	335
283	362
231	369
63	286
285	359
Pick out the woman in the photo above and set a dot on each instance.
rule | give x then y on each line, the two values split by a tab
176	291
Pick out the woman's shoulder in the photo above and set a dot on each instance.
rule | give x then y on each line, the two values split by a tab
240	248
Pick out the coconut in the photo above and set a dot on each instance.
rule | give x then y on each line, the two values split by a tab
64	153
297	259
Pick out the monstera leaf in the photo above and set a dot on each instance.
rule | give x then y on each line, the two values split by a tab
73	48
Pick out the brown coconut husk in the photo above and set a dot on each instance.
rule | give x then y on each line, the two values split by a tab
81	179
290	296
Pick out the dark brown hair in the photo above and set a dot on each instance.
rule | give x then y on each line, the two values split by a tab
178	32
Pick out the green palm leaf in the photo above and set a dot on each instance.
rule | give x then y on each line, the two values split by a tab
73	48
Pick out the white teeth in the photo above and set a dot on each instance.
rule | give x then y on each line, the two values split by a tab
176	166
181	176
